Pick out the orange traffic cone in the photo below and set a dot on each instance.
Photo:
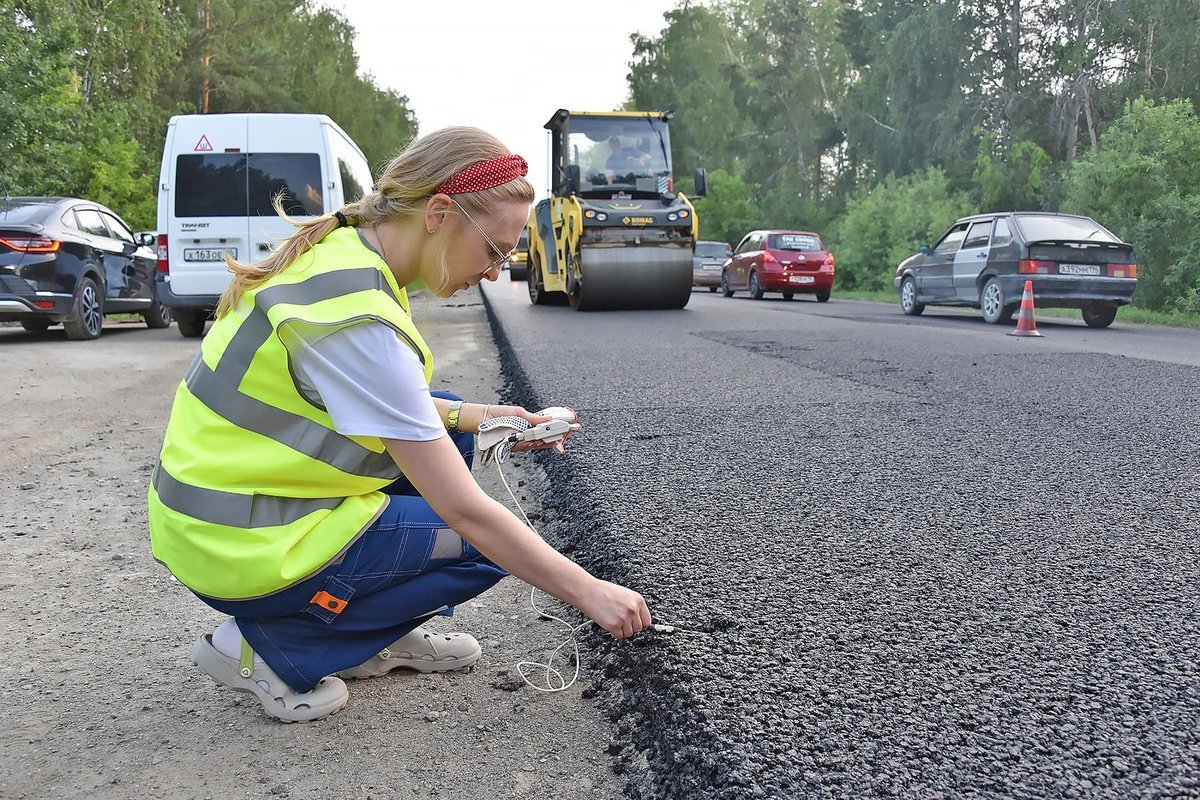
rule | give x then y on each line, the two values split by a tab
1025	323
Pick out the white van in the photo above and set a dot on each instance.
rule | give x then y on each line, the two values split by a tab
219	175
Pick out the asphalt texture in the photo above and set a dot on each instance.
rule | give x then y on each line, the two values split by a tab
922	558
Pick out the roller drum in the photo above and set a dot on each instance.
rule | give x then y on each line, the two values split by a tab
632	277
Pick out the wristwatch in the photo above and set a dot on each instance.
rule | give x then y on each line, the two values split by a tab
452	416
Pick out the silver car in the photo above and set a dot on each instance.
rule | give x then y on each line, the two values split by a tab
707	260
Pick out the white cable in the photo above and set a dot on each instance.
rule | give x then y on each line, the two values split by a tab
555	682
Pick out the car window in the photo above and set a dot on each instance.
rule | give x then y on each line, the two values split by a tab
1002	235
1048	227
244	184
22	213
355	177
711	249
118	228
744	245
89	221
952	239
796	242
978	234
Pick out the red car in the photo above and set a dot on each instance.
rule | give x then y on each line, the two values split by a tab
779	261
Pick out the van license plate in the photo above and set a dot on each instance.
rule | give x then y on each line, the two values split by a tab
801	279
208	253
1078	269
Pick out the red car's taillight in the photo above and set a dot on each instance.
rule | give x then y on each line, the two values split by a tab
828	263
1122	270
32	244
769	258
163	266
1028	266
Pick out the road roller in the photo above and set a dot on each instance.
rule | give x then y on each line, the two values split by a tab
614	233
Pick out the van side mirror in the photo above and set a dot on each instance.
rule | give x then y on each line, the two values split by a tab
572	179
701	180
925	250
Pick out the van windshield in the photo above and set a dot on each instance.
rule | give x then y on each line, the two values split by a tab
245	184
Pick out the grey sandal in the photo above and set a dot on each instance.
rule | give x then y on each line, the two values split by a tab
422	651
277	698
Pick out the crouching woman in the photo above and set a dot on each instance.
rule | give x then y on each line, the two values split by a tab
311	486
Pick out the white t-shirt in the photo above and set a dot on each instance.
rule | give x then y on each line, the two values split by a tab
370	382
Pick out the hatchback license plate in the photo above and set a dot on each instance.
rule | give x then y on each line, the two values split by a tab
1078	269
208	253
801	279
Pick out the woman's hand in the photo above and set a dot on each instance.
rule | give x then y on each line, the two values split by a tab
620	611
473	416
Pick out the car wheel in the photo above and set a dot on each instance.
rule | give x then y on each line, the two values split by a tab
191	323
87	319
159	316
725	290
1099	315
788	295
755	290
823	297
993	305
908	298
712	289
35	324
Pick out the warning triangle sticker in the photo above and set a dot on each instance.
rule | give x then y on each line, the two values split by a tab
203	146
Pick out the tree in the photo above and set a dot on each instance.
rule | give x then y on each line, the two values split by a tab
1144	184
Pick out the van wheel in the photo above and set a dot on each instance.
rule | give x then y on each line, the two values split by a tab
159	316
191	323
87	319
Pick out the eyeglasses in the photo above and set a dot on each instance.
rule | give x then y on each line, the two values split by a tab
502	257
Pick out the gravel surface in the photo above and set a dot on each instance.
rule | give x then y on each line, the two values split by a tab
98	698
923	559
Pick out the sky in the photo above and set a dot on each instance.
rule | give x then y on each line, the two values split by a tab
505	67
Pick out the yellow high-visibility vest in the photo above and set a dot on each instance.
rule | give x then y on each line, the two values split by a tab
254	490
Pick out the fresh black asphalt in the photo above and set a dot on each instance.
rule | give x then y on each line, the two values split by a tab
926	559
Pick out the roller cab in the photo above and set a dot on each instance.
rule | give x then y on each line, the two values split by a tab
613	234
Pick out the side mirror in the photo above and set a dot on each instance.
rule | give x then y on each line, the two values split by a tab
148	240
128	248
572	179
701	179
925	250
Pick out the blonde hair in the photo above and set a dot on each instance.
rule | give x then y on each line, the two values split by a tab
403	188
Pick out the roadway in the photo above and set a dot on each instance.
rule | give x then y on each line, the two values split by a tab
922	558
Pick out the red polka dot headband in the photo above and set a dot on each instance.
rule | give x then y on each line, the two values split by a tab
485	175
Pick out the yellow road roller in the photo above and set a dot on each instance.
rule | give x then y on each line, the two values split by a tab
614	233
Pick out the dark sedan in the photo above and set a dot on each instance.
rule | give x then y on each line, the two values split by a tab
72	261
983	262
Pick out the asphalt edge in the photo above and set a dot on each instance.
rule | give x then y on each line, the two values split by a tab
659	742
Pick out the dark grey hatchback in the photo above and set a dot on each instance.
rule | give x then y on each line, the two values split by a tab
72	261
983	262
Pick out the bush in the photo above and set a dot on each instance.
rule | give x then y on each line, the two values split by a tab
1144	185
887	223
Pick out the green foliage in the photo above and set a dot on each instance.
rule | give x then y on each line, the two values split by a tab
1144	185
1011	179
727	213
887	223
87	86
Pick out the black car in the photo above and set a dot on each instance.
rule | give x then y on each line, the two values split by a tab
983	262
72	261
